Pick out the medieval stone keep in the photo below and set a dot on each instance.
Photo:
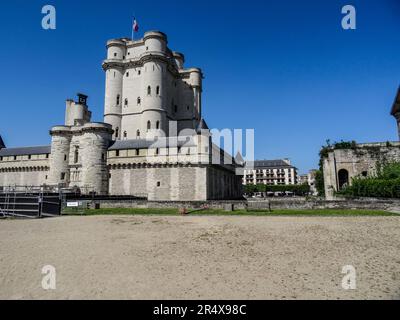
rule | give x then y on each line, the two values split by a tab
341	165
153	143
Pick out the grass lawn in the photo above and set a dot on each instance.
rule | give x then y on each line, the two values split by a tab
211	212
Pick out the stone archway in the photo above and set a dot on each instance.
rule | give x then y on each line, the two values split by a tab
343	176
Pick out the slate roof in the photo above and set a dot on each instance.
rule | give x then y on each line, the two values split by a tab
2	145
269	164
396	104
159	143
202	126
25	151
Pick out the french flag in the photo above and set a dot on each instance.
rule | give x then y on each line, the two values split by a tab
135	25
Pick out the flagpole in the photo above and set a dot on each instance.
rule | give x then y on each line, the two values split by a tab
132	28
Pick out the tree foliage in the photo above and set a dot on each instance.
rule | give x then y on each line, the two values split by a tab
386	183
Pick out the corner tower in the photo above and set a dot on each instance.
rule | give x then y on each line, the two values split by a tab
114	69
79	150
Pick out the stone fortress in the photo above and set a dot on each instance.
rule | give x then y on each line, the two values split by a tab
153	141
341	165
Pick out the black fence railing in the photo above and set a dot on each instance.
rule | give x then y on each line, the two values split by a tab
29	205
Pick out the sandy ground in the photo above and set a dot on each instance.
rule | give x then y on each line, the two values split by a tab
135	257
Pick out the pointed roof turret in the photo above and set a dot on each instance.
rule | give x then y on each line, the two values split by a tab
396	104
202	126
2	145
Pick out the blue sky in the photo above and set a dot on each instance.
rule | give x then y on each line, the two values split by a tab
285	68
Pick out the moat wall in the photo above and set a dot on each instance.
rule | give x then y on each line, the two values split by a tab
390	205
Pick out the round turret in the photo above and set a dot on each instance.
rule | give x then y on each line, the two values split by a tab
179	59
59	158
155	41
195	77
154	96
113	99
96	138
116	49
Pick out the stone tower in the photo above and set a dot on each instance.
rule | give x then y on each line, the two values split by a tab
147	86
396	110
79	150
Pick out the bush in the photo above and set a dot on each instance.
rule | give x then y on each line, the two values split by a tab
374	188
386	183
389	171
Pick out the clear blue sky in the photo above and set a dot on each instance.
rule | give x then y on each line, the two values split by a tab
285	68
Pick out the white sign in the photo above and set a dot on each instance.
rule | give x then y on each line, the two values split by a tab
72	204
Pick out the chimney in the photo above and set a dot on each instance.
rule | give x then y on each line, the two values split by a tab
82	99
287	160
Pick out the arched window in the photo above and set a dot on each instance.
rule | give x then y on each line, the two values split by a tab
149	90
118	99
157	152
158	125
148	125
125	134
158	90
138	134
116	132
343	176
126	102
137	152
139	100
76	155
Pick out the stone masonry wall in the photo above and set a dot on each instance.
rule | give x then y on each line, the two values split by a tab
362	159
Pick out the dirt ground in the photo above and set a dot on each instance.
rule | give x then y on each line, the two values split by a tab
222	257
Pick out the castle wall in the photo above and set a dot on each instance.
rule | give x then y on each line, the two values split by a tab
24	172
175	183
160	183
358	162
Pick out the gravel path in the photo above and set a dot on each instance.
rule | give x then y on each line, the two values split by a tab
155	257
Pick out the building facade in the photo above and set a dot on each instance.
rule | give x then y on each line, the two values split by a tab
270	172
153	142
302	179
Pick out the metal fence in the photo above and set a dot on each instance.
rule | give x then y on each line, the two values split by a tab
29	202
